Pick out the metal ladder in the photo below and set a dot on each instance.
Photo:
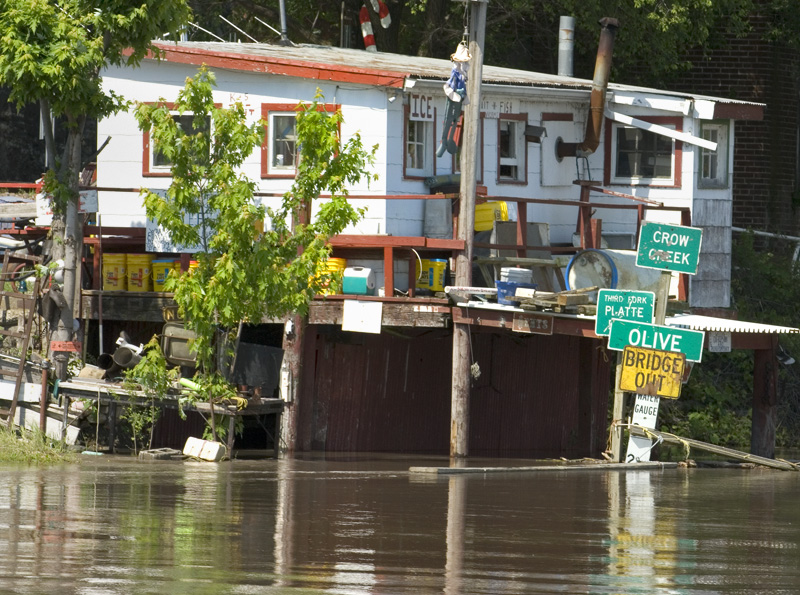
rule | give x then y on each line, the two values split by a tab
28	309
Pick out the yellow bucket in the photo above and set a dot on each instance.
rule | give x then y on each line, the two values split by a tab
333	266
160	271
114	272
139	266
431	274
487	213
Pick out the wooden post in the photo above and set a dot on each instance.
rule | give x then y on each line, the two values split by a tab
522	229
617	414
459	406
765	400
586	380
286	440
43	398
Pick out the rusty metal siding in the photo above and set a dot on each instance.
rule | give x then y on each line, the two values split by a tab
390	394
381	393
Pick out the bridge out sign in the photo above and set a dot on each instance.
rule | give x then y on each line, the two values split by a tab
652	336
652	372
669	247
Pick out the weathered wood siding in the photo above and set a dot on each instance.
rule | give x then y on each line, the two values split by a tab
536	396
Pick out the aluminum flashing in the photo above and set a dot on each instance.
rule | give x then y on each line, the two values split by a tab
709	323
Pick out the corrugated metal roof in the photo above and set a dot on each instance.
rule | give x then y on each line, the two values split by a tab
409	66
710	323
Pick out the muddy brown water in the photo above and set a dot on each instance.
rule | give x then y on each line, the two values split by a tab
365	525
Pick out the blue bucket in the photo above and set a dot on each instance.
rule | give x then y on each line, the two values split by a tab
507	289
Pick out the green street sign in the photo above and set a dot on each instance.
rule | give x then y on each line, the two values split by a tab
653	336
625	304
669	247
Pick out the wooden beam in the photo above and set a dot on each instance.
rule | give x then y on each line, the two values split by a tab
765	400
18	209
712	448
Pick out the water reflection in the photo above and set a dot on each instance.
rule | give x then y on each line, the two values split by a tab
364	525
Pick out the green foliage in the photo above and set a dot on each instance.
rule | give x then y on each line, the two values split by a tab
716	404
56	50
151	377
32	447
243	274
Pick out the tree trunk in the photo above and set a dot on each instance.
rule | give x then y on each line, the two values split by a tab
71	244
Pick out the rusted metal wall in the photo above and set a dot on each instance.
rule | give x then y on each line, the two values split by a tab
536	396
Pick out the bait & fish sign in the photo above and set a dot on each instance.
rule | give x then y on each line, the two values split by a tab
652	372
669	247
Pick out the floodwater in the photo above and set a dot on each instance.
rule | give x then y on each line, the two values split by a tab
365	525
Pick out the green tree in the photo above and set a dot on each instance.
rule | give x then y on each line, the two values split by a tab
53	53
654	39
245	274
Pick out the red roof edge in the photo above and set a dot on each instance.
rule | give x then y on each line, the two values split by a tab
272	65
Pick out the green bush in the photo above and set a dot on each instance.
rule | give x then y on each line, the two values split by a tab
715	405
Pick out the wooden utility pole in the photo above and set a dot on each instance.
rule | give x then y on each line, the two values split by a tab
459	407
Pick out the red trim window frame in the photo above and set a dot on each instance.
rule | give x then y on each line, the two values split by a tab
429	143
611	158
456	166
267	172
147	172
522	160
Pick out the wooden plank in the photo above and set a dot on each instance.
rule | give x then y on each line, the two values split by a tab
145	307
18	209
572	299
406	314
444	244
7	333
713	448
376	241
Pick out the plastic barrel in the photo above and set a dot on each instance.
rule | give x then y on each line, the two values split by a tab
138	267
609	269
333	266
114	269
160	271
430	273
487	213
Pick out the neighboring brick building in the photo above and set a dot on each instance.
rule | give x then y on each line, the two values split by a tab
766	185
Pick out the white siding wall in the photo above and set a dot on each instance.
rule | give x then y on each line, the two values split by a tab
367	110
120	164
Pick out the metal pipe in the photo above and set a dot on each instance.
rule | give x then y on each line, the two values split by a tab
284	35
602	69
566	45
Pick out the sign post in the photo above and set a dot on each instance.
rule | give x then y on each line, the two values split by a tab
627	305
650	366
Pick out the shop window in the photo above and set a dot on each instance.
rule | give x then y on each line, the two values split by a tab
419	134
642	157
281	151
713	170
156	163
512	150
